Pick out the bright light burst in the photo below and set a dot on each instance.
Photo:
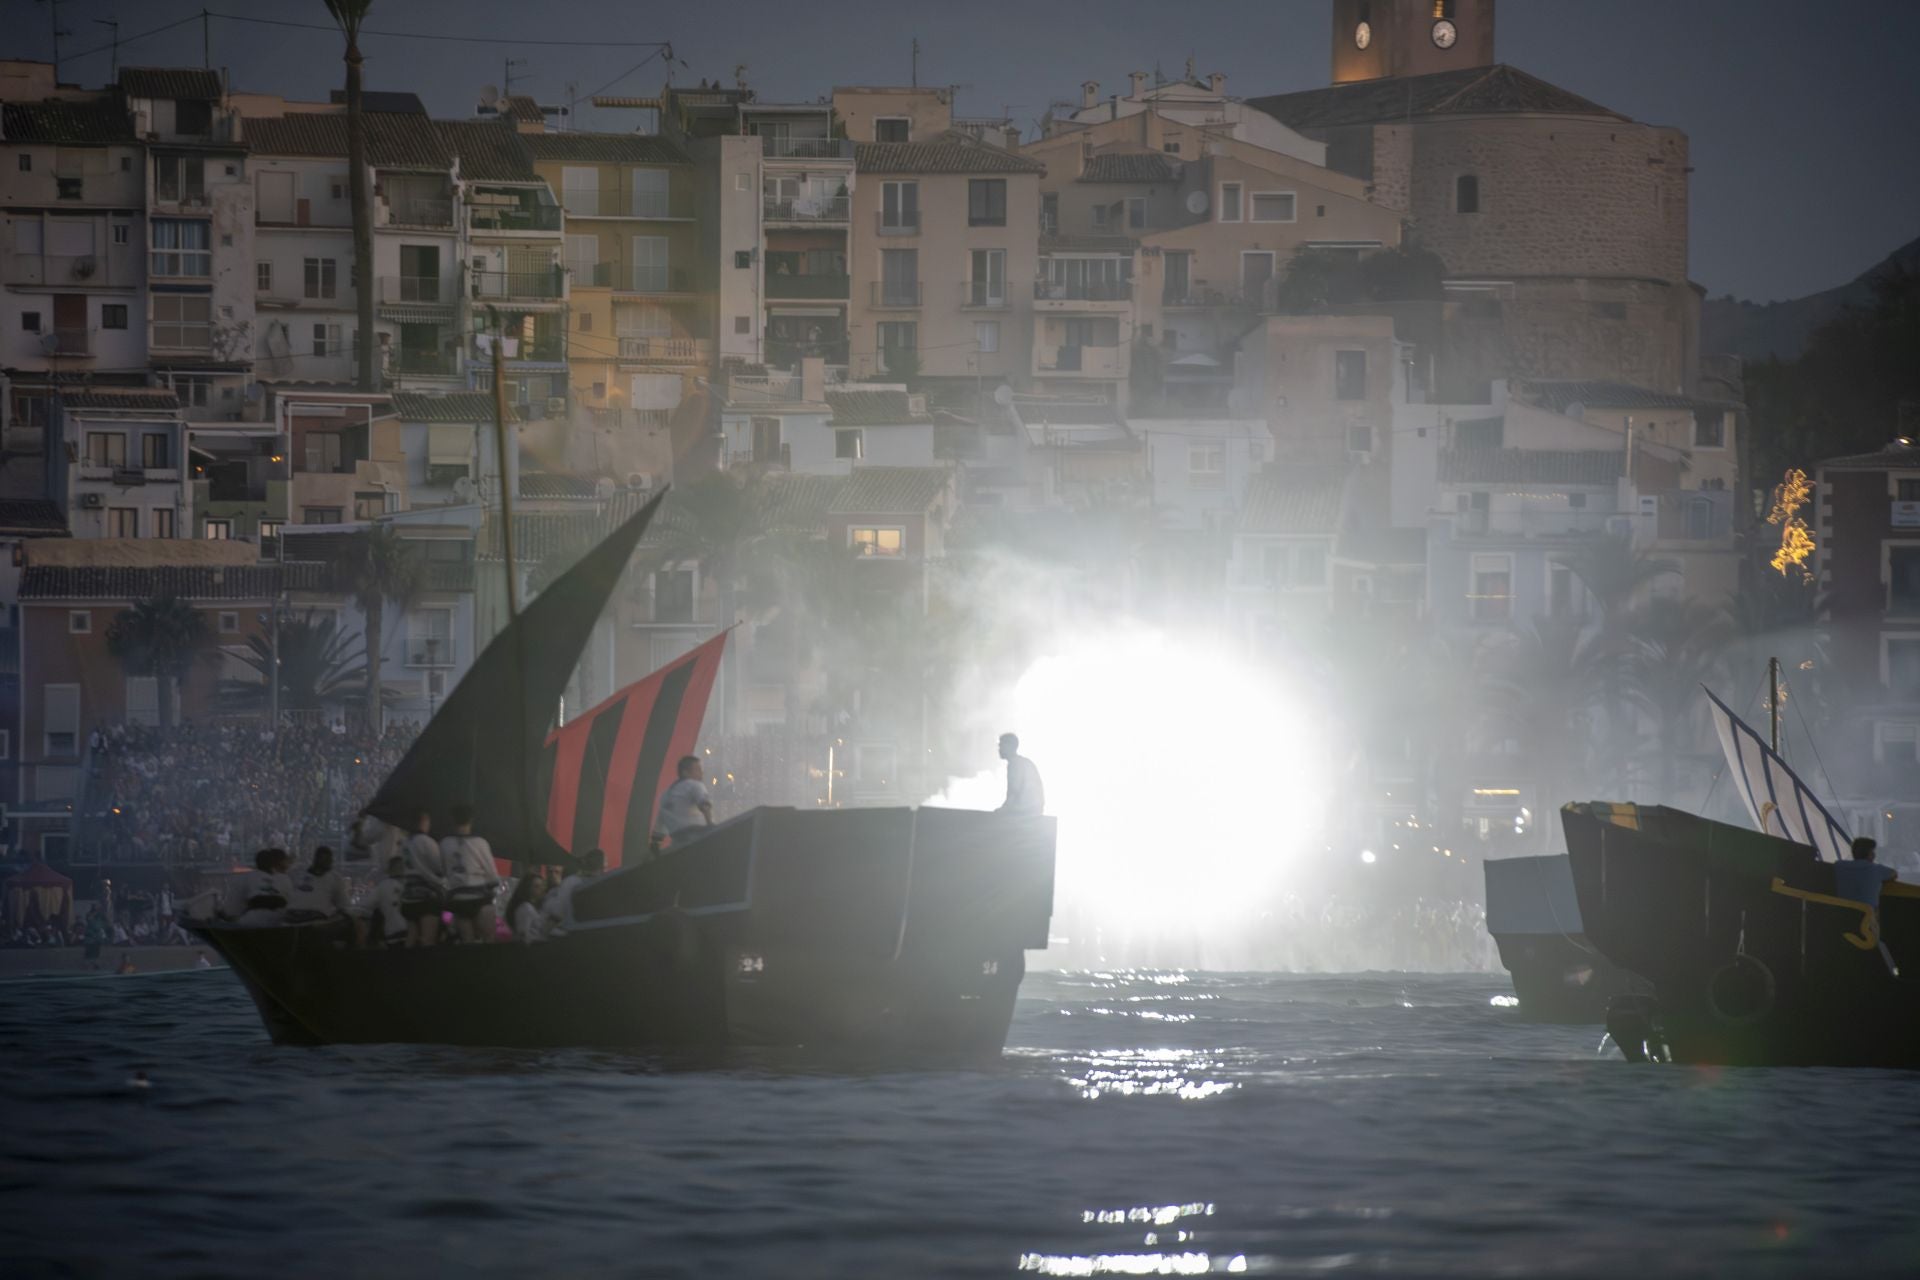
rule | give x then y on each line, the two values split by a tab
1186	781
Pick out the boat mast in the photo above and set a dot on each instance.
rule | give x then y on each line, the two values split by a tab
500	451
1773	703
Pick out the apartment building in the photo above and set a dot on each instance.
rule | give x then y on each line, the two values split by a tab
632	254
1184	112
116	462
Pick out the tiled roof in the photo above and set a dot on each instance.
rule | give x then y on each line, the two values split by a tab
1898	454
197	582
395	140
603	148
951	152
550	484
521	107
859	407
891	491
1130	166
170	82
1297	500
31	516
792	502
455	406
135	398
382	100
101	121
1495	90
1597	394
489	151
540	535
1088	244
1591	468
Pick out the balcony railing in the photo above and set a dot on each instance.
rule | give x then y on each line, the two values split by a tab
662	350
786	354
895	293
419	211
1082	290
503	217
71	342
903	223
779	148
807	209
425	289
551	283
1091	362
807	286
593	203
770	388
625	419
651	278
426	364
983	295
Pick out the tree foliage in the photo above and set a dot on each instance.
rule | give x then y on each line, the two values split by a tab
161	637
320	665
379	569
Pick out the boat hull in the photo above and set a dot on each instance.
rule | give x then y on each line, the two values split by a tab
1751	959
895	931
1558	975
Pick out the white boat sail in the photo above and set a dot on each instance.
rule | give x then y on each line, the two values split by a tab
1780	803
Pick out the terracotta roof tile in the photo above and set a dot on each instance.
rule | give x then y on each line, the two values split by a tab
454	406
1130	166
170	82
30	516
1495	90
101	121
793	502
1895	455
197	582
603	148
395	140
951	152
135	398
860	407
489	151
550	484
891	491
521	107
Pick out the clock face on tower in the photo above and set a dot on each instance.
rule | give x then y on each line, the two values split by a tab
1444	35
1363	35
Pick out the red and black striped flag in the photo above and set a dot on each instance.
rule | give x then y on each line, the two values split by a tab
610	766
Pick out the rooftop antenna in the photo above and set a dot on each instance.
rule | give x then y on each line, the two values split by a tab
108	22
53	23
915	82
506	79
573	99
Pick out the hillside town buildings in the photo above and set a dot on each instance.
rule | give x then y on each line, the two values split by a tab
1400	349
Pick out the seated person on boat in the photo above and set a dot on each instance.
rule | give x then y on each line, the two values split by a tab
319	891
425	888
1860	878
686	810
383	919
556	912
523	908
258	899
472	879
1026	797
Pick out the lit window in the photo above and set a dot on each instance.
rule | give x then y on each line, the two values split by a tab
877	543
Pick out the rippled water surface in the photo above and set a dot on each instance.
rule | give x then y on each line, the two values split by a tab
1140	1123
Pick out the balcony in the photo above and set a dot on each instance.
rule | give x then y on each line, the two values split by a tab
425	364
780	148
1536	526
830	287
590	202
626	419
1695	515
894	294
68	342
1082	291
548	285
903	223
417	211
422	290
983	295
507	218
1081	361
654	278
639	349
810	210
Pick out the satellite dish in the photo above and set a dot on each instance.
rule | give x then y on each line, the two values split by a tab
1003	395
489	95
1196	202
50	343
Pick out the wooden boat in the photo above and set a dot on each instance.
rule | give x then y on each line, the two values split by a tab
900	931
1558	974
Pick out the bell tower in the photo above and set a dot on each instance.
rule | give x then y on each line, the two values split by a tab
1373	39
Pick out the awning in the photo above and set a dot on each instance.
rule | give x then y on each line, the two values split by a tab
449	444
417	312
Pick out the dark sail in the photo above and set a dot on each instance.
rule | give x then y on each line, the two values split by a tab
483	746
610	765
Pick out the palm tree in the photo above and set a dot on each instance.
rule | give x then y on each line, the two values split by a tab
317	660
161	638
348	15
379	568
1677	646
1541	693
1613	574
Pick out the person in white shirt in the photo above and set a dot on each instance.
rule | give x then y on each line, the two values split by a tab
686	810
472	879
556	912
383	918
1026	798
425	886
258	899
319	891
523	908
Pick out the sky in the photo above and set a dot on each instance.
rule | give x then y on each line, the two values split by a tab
1804	117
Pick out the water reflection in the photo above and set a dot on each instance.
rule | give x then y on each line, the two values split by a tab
1187	1074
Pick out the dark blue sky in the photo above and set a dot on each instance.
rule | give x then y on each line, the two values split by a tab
1805	118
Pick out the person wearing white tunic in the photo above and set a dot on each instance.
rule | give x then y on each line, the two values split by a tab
557	911
472	879
425	886
686	810
383	917
523	909
319	891
258	899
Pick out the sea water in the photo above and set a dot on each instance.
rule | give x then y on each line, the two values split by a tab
1140	1123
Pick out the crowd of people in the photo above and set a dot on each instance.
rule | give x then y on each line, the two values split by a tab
199	794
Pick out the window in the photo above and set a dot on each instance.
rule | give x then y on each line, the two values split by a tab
122	233
1136	212
899	277
1049	213
181	248
1896	744
1349	375
217	530
987	278
869	542
67	188
30	322
270	530
650	198
1490	592
26	162
743	182
182	320
61	706
850	443
1902	664
899	207
986	336
79	622
1699	519
892	129
1709	430
1903	579
320	515
1466	194
986	202
369	506
163	522
1906	489
229	623
156	450
326	339
263	277
673	595
1563	599
896	337
430	637
1229	202
321	277
113	315
743	324
1207	465
106	449
1273	206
